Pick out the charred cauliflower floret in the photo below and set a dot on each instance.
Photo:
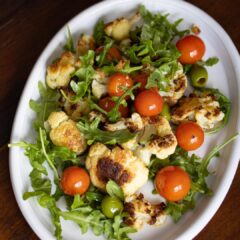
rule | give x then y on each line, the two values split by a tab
157	138
95	114
74	110
134	124
65	133
203	108
117	164
99	84
177	87
85	43
59	73
141	211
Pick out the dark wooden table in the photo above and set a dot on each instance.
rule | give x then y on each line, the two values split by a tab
25	29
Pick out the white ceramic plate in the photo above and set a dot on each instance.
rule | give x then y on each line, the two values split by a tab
225	76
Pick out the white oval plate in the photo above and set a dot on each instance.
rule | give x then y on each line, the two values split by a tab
225	76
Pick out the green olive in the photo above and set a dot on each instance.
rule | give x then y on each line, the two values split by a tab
111	206
166	111
198	76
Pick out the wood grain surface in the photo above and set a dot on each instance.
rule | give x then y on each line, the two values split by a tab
25	29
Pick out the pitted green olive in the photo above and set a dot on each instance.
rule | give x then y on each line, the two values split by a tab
198	76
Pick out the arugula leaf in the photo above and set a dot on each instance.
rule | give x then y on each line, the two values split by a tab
63	154
197	169
44	143
166	28
126	69
209	62
102	58
176	210
39	152
69	43
47	103
225	106
112	229
98	33
155	165
85	75
86	220
47	201
187	68
114	190
120	232
93	133
115	114
93	195
77	202
39	184
215	150
153	45
158	78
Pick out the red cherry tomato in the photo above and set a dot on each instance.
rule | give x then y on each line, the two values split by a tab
148	103
107	104
192	49
113	53
190	136
117	83
141	78
75	180
172	183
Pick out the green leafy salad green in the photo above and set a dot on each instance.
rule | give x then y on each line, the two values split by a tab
91	101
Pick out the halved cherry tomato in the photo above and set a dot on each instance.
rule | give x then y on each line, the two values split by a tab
148	103
172	183
190	136
117	84
192	49
141	78
113	53
75	180
107	104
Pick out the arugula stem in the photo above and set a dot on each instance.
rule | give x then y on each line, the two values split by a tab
46	155
216	149
95	106
111	114
22	145
78	218
67	98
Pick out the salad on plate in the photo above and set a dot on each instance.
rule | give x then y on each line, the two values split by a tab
122	107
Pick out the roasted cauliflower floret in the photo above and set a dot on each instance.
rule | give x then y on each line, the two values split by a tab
158	139
141	211
59	73
117	164
99	84
85	43
65	133
178	85
134	124
118	29
74	110
95	114
55	118
204	109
